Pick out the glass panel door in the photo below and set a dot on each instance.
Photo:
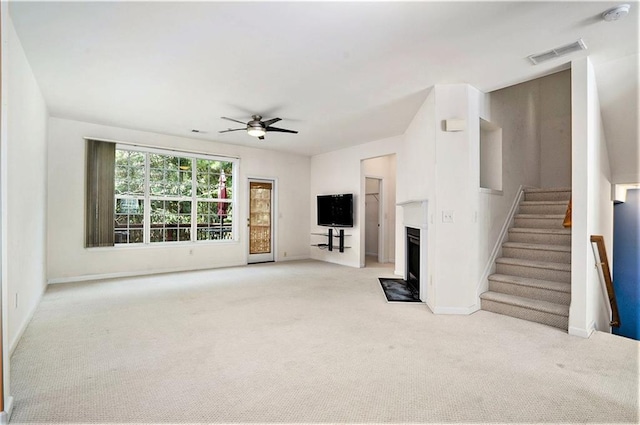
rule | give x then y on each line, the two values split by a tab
260	221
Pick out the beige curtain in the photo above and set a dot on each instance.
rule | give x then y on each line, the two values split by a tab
101	158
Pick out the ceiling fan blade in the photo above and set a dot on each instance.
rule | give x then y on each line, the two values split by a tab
280	130
231	119
232	129
267	123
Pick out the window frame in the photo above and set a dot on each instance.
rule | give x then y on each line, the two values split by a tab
148	198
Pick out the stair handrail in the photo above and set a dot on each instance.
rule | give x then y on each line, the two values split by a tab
483	283
606	273
567	216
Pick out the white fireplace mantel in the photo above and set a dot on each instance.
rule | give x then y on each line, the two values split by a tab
415	213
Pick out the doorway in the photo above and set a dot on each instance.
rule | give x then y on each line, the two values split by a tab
373	238
376	211
260	220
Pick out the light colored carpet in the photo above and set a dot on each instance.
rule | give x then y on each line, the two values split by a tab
302	342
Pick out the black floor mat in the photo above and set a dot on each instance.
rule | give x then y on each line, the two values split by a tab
399	290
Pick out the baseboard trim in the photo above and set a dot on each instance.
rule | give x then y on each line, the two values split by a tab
118	275
399	273
6	415
294	258
582	333
430	306
456	310
14	342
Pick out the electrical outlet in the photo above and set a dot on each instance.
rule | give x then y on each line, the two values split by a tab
191	252
447	216
284	254
16	300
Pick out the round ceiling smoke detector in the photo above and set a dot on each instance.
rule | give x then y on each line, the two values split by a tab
616	13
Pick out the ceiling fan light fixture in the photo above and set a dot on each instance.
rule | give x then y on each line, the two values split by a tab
256	131
256	127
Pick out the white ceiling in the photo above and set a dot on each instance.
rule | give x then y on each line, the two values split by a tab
340	73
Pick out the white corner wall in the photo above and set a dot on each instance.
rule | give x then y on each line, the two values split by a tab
443	168
24	188
341	172
416	180
456	194
69	260
592	210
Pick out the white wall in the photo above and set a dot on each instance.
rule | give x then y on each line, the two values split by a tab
69	260
443	168
384	167
24	188
416	180
618	91
536	120
555	129
340	172
592	210
457	191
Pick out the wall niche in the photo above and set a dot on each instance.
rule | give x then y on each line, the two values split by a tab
490	157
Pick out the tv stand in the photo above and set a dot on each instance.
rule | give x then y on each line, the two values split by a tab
330	244
340	240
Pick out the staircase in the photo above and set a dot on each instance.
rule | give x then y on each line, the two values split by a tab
533	277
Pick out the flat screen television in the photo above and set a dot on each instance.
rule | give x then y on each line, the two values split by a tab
335	210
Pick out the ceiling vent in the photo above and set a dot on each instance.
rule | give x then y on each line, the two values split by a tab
558	51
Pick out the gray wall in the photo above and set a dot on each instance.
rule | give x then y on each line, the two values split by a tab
536	130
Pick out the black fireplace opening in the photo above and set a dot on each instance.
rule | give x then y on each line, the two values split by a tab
413	258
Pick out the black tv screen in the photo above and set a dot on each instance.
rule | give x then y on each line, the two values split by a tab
335	210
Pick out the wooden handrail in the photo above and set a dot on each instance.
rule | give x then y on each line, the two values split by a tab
567	216
606	272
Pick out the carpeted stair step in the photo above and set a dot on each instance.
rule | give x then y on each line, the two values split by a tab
543	270
537	252
541	236
533	277
543	290
543	207
539	221
524	308
552	194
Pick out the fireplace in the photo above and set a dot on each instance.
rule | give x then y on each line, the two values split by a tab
413	258
415	219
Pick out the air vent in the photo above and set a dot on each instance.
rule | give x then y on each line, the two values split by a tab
558	51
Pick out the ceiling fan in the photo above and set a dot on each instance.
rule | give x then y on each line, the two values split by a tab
258	128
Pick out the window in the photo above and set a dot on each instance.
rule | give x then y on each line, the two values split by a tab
129	196
213	190
167	197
